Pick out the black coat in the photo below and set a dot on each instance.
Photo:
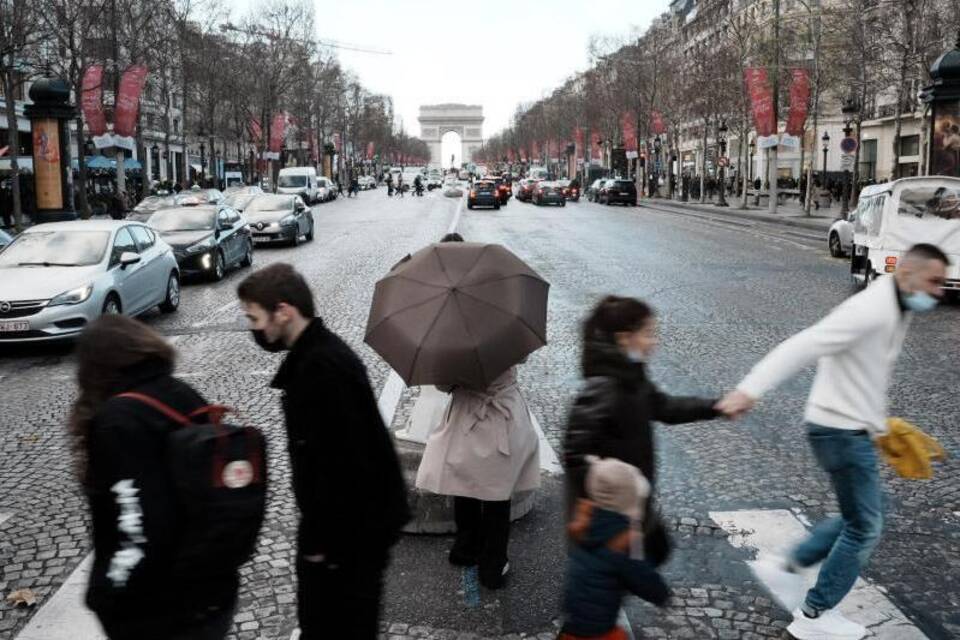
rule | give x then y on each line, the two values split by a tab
600	572
346	475
127	466
613	415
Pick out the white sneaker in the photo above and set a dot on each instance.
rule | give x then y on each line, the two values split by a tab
830	625
786	585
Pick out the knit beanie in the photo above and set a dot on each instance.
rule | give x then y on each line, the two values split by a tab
617	486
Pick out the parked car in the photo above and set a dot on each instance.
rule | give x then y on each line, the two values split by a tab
198	196
483	194
593	190
840	236
207	240
367	182
549	193
150	205
280	219
56	278
434	180
5	238
299	181
618	190
326	189
452	188
525	189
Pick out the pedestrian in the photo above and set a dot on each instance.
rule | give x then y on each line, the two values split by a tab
119	446
400	184
484	452
855	348
346	477
390	186
604	558
614	411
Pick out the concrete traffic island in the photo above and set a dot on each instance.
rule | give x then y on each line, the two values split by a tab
432	513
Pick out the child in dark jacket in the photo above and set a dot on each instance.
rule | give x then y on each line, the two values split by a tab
605	560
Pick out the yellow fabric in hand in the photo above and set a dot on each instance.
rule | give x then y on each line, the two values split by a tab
908	450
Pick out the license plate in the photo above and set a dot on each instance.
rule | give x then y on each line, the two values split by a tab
14	326
624	193
261	238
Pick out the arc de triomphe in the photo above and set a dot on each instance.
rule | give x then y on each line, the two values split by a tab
464	119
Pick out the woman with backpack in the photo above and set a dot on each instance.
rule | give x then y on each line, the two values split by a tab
613	415
119	443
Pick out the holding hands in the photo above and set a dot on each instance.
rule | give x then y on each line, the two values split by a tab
735	404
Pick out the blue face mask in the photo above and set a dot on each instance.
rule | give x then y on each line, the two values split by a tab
635	356
920	301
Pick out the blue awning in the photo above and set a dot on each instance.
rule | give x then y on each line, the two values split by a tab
105	163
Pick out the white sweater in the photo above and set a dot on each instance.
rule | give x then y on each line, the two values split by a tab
855	348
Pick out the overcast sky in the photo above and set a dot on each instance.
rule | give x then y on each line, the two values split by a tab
490	52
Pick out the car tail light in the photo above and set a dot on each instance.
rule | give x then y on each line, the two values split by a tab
566	192
891	261
473	194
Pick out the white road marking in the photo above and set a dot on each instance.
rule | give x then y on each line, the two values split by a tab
390	397
456	217
65	616
775	532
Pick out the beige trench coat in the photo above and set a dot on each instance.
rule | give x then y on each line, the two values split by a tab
486	447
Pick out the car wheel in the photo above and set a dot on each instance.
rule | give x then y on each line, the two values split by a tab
469	206
219	267
563	204
835	249
496	207
111	306
295	240
309	236
172	299
247	255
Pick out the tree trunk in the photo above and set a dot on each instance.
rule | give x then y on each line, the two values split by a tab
703	163
82	205
13	142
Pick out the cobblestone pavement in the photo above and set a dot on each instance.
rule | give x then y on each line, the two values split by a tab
724	295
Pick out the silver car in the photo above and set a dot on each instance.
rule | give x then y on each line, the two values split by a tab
840	236
56	278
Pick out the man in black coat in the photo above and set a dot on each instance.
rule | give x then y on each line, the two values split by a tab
346	475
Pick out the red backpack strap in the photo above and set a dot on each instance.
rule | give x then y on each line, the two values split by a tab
171	413
214	411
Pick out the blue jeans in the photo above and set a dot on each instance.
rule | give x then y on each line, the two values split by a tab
844	543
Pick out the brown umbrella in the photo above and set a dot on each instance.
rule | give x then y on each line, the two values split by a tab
458	313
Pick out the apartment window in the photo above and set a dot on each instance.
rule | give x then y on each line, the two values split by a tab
868	160
910	145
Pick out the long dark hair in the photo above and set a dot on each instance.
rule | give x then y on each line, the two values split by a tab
109	351
615	314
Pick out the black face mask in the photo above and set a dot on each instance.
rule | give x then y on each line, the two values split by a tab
261	339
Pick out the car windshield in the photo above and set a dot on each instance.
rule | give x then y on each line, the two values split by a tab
240	200
152	203
56	248
270	203
292	181
184	219
621	184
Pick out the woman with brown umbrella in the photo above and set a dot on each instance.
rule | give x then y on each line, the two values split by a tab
485	450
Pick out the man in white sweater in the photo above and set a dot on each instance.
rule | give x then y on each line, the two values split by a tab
855	348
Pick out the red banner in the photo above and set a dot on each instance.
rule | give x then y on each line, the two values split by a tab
370	151
799	99
594	145
277	129
510	156
314	155
656	123
578	142
761	98
91	100
628	123
533	151
128	100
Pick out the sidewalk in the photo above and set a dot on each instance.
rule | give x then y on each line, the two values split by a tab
790	214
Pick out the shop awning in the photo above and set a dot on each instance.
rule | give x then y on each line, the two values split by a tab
196	168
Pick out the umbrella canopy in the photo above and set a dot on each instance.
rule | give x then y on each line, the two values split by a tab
458	313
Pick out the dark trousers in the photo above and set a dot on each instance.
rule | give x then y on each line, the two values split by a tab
341	600
213	627
483	531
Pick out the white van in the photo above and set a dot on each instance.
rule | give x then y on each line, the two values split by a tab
892	217
299	181
538	173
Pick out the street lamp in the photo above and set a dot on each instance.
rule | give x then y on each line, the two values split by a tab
826	148
850	111
756	190
722	144
203	162
155	161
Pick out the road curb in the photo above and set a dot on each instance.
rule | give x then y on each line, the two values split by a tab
787	222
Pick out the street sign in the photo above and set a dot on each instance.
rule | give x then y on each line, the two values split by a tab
847	162
767	142
849	145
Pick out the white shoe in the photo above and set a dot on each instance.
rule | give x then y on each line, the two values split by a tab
830	625
786	585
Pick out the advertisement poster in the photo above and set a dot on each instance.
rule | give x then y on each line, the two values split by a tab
128	100
799	99
277	133
945	145
629	126
578	141
657	124
46	164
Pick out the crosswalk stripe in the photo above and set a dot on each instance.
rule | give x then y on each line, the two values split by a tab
65	616
775	532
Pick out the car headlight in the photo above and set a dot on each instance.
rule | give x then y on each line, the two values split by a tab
288	220
74	296
203	245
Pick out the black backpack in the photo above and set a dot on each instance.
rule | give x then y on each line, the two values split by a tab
219	475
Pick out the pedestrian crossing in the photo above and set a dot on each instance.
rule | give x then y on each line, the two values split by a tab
775	532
